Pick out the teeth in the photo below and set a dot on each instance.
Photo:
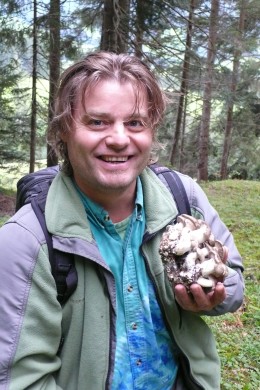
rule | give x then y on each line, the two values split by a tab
114	159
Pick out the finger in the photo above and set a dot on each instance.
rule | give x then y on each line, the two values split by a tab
225	254
219	294
184	299
198	300
201	298
207	301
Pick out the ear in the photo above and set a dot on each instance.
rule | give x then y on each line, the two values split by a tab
64	136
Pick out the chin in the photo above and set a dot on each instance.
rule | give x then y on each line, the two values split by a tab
119	183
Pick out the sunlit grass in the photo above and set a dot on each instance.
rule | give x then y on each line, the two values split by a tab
238	334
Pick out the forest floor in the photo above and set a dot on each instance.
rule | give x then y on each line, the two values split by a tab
7	204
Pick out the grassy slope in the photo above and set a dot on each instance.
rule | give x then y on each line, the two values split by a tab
237	335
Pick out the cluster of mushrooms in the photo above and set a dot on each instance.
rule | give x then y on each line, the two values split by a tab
191	254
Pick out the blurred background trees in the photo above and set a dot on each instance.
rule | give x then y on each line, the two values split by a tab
205	54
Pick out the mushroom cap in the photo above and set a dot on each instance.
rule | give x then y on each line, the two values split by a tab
191	254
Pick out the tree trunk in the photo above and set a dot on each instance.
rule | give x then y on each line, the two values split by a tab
182	146
123	7
184	86
206	110
139	29
54	64
108	41
34	86
115	26
233	87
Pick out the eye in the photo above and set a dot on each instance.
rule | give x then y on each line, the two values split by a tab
94	123
135	124
97	124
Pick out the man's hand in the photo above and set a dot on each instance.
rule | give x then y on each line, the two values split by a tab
198	300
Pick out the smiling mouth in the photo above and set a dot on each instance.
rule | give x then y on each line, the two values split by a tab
114	159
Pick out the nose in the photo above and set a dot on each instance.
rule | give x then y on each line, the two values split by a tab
118	137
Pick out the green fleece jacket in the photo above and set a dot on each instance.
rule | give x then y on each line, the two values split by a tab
33	323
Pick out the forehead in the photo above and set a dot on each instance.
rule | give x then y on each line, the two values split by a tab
104	92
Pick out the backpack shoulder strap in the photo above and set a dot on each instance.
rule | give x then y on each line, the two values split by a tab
35	190
175	185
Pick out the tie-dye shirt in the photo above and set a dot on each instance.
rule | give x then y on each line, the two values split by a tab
144	357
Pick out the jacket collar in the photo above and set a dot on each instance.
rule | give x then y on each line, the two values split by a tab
66	216
160	207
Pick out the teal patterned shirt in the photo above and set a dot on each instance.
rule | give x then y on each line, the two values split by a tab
144	358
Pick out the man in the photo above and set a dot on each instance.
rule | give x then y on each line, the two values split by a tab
125	326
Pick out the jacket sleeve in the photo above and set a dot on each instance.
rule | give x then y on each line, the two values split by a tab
233	283
30	320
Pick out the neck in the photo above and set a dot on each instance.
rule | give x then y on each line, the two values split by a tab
120	211
119	205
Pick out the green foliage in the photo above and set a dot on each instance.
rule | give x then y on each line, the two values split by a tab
162	28
237	334
14	136
16	54
10	173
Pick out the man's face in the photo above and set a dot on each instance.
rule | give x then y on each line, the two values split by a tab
111	140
